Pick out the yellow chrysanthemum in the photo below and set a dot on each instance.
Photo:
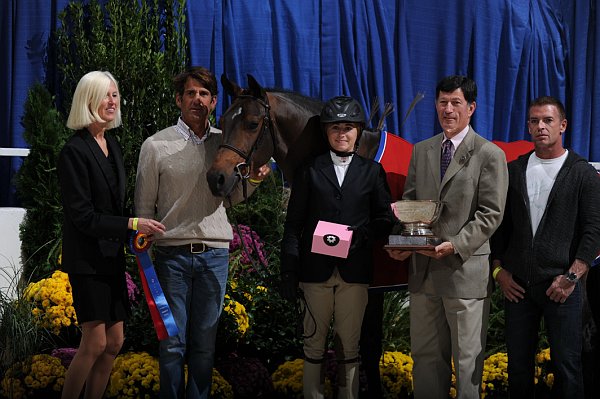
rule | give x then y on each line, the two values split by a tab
495	375
220	388
37	374
53	302
134	375
287	379
396	373
542	358
238	311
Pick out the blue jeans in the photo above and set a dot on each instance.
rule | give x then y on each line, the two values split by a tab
563	324
194	286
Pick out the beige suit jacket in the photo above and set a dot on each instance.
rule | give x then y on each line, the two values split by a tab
474	194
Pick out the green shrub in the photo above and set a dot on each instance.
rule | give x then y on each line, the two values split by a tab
37	184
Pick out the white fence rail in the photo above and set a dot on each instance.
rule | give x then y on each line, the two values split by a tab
10	243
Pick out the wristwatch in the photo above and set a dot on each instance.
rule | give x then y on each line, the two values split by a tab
571	277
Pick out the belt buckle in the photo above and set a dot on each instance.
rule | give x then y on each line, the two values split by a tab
197	247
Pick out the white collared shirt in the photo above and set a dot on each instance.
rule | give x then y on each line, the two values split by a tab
340	165
457	139
188	133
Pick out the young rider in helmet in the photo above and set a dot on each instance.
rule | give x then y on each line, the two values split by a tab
341	187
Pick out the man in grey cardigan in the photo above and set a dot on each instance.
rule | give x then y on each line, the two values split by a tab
547	241
192	256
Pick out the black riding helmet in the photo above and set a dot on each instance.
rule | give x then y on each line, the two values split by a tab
343	109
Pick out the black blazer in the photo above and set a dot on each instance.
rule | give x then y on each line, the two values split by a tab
363	200
95	224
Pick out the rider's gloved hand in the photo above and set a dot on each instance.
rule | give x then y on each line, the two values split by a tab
360	237
288	286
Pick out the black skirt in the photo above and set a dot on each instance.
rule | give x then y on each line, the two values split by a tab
99	297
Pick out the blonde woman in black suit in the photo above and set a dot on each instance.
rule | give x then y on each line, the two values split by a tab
92	182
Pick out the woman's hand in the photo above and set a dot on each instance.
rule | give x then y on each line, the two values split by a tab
149	227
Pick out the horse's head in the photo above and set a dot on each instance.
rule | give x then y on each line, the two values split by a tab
247	136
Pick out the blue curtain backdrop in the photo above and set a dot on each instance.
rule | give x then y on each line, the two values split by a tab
515	50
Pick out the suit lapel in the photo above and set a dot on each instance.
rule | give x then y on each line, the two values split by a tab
104	164
113	147
353	172
325	165
433	155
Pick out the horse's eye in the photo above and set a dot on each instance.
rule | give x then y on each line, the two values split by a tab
251	125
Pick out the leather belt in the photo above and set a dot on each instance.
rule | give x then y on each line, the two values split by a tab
195	247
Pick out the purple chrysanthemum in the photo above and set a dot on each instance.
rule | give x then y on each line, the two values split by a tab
252	244
132	289
65	355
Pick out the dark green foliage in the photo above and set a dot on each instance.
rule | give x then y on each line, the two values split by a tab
37	184
495	337
20	335
396	322
143	44
140	335
264	211
273	336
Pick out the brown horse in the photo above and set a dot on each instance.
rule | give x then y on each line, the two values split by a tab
262	124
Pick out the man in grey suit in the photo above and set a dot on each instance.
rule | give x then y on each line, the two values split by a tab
450	285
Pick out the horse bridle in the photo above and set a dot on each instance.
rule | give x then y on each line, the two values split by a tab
246	165
266	126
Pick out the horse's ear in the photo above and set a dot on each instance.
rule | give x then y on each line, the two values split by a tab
255	88
230	87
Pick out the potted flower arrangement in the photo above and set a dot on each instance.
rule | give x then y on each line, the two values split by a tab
53	302
39	376
248	377
134	375
396	375
495	375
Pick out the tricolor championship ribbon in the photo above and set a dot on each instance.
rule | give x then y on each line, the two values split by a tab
164	324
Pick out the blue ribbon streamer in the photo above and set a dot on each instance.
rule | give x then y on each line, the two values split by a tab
139	246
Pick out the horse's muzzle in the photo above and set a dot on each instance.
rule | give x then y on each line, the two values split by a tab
220	184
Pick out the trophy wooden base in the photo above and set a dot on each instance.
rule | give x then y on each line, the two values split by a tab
412	243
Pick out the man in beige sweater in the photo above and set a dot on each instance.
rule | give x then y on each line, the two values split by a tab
191	257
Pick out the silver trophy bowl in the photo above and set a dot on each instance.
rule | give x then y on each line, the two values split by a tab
416	217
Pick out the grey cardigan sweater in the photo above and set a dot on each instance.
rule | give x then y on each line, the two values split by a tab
569	229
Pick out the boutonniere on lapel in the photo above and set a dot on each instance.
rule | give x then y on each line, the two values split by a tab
464	160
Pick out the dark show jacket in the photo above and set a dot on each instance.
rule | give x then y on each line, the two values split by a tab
569	228
363	200
95	224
